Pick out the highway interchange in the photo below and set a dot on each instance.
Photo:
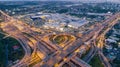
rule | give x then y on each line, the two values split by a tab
42	52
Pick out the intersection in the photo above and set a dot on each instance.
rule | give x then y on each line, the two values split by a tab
40	51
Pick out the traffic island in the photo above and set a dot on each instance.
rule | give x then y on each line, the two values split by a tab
61	40
95	62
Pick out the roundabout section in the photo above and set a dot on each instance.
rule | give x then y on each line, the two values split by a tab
61	40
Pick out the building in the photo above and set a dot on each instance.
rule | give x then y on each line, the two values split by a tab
76	24
59	22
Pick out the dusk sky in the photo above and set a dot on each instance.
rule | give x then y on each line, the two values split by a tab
69	0
60	0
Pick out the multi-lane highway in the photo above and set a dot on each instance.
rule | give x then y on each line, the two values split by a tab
51	54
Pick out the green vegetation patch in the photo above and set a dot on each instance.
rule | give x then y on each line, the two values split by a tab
59	39
95	62
84	54
116	63
10	50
